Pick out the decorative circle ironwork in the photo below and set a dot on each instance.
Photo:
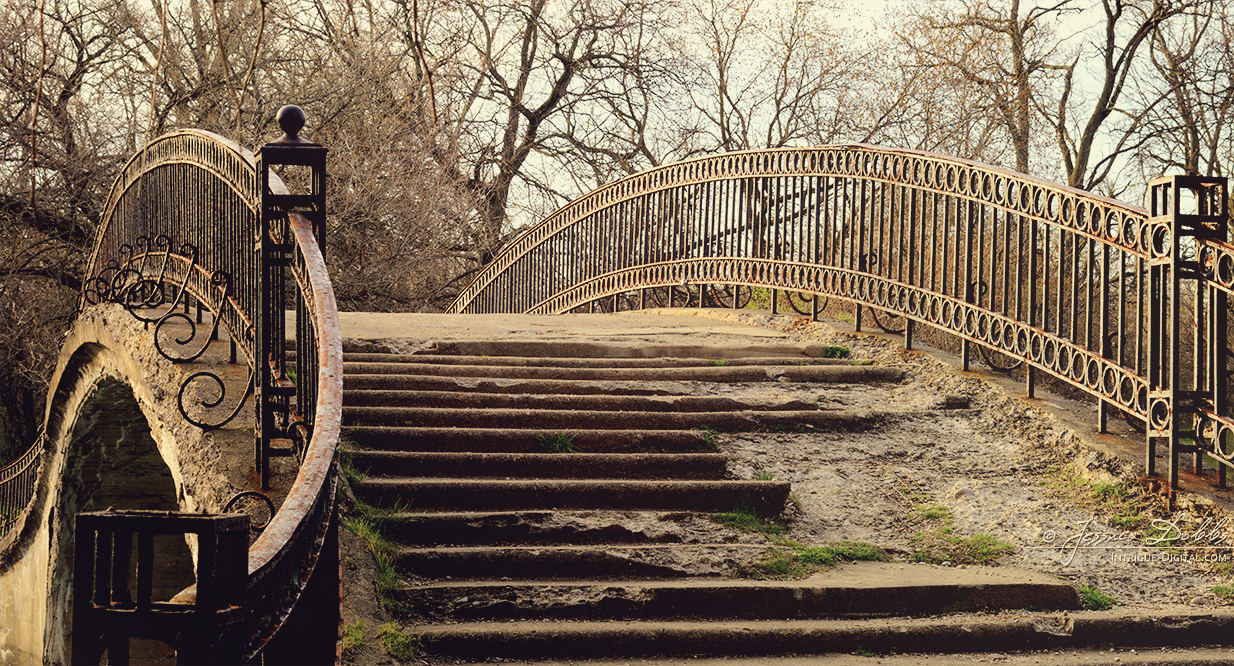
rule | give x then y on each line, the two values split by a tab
1159	414
1225	269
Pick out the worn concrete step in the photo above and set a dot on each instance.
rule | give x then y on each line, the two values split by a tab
835	374
519	386
529	440
627	403
567	362
563	465
568	420
575	349
766	497
861	589
663	561
930	639
546	528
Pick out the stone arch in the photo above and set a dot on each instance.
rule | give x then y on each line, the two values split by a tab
107	356
112	461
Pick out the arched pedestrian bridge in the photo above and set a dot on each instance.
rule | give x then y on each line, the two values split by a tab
181	331
179	387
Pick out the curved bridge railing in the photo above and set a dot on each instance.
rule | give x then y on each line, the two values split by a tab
1057	278
195	221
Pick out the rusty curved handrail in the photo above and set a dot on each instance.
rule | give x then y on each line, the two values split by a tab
973	249
290	543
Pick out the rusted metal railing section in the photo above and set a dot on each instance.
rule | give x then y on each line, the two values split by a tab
1192	275
1040	274
167	245
193	223
17	481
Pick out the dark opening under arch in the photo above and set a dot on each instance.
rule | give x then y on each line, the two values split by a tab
113	461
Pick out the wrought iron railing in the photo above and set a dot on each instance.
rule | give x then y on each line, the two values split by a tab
1047	275
195	221
17	481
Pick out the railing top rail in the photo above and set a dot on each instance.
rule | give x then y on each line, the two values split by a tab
318	459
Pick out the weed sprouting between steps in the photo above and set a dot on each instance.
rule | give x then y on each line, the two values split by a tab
938	543
402	646
792	559
347	444
1094	599
559	442
371	524
746	519
709	438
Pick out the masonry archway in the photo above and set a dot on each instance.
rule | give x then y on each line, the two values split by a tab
115	438
112	461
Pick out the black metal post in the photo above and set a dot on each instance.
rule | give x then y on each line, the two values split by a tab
106	613
276	251
1172	407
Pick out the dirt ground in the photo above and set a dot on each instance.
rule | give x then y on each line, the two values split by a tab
1002	467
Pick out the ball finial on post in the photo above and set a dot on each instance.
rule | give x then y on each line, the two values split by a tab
291	119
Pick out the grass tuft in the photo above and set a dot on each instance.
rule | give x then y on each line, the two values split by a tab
764	475
709	438
719	363
927	512
353	637
559	442
792	559
836	351
860	551
401	646
745	519
1093	599
347	444
368	524
795	500
1121	505
776	565
938	543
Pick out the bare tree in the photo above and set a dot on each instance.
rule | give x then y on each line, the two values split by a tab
57	159
1005	53
1192	96
1127	26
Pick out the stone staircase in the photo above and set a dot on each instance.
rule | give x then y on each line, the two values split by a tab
558	502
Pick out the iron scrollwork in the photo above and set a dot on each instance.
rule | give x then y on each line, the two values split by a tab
245	501
207	403
217	279
139	280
